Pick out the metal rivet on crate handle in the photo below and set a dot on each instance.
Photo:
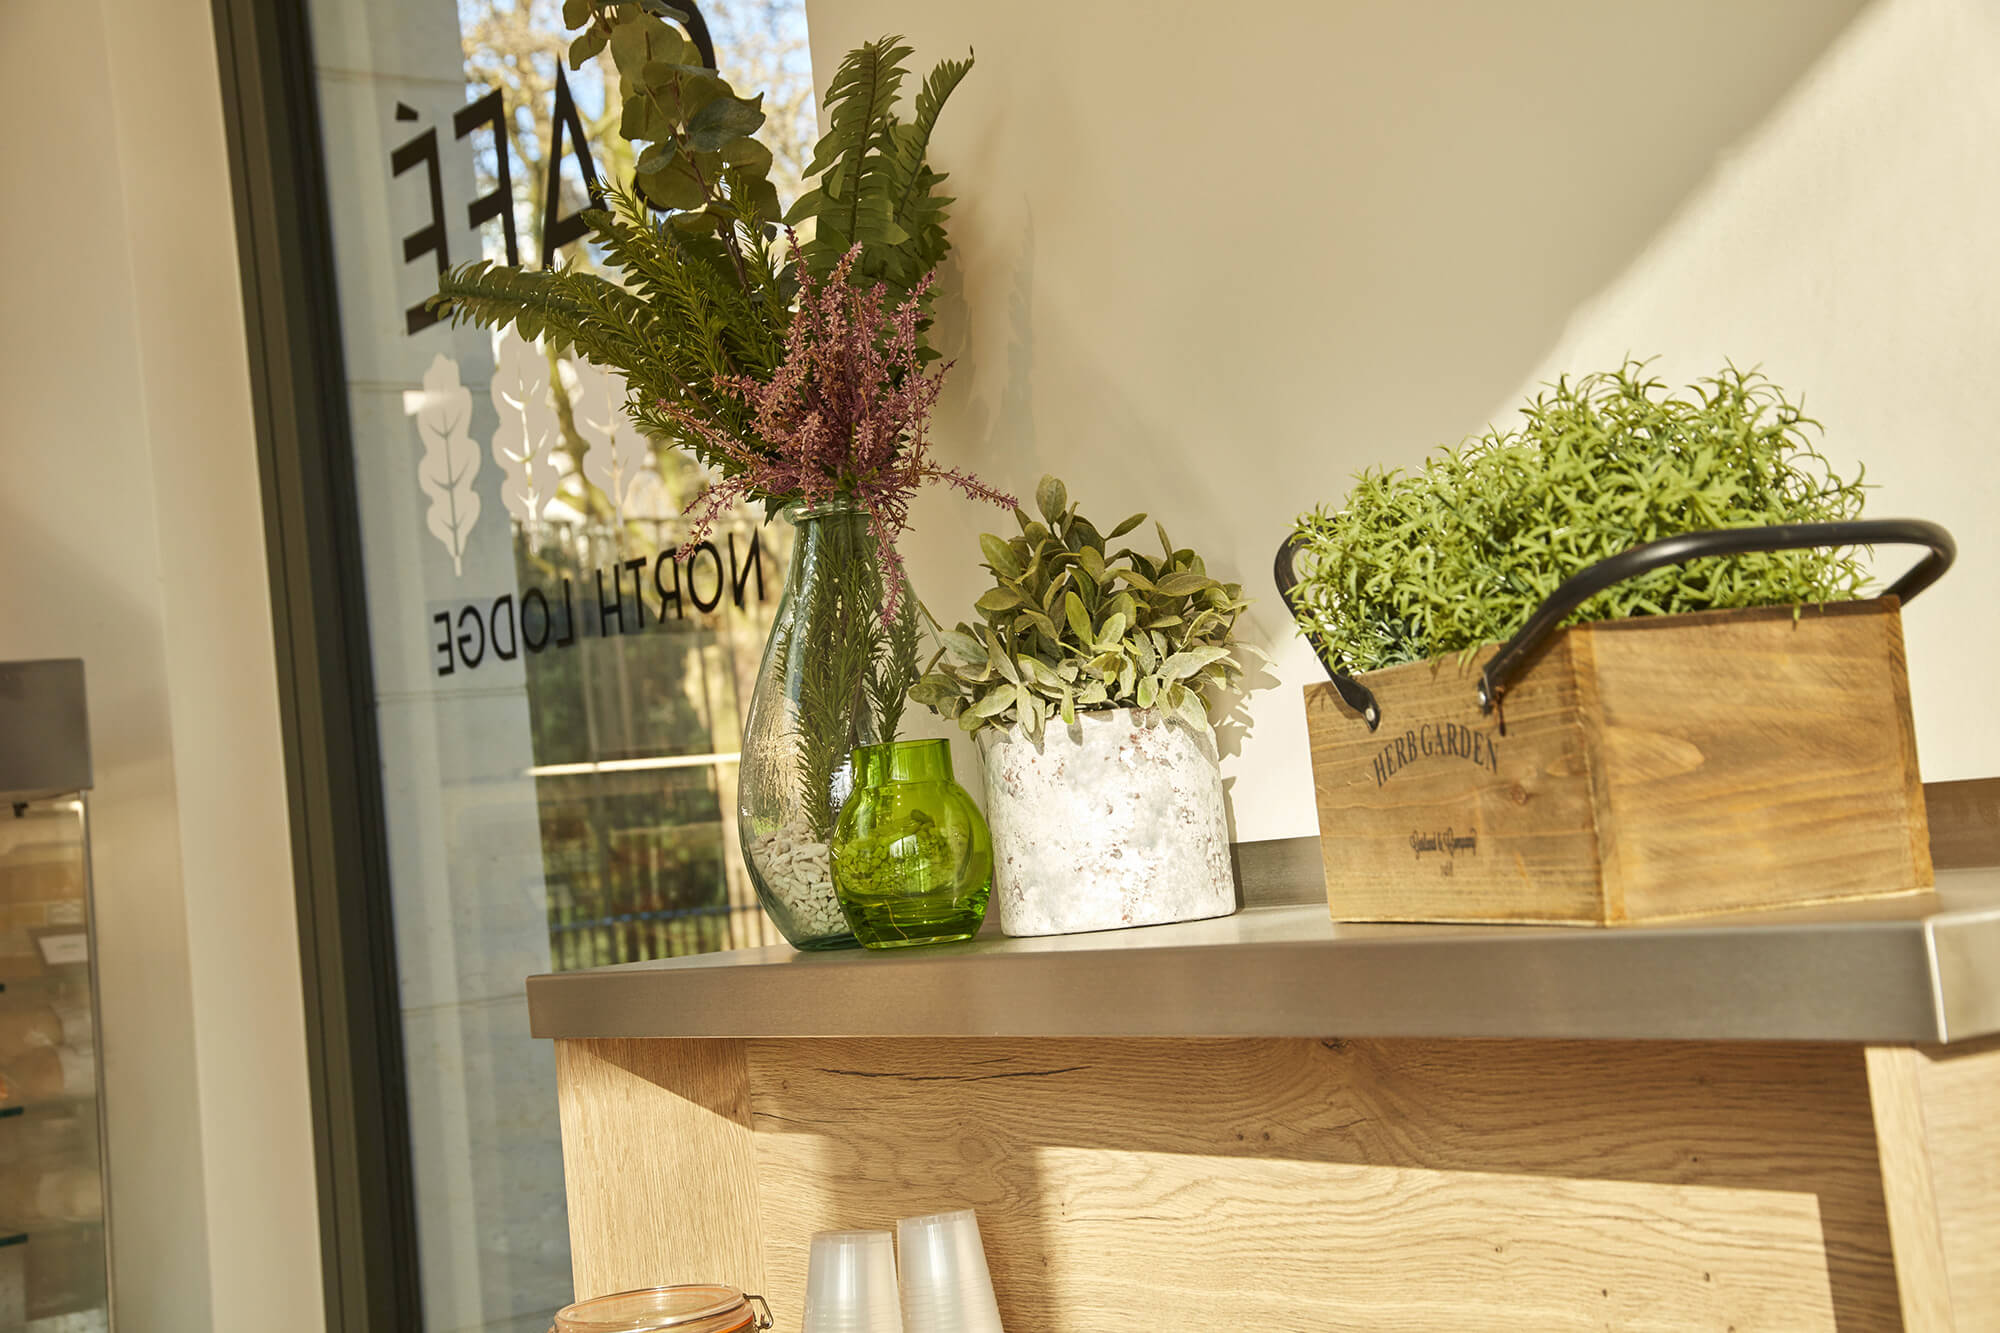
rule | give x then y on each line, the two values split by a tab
1586	584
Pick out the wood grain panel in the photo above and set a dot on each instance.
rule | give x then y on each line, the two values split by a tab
1961	1096
658	1164
1917	1239
1355	1185
1754	759
1436	766
1638	770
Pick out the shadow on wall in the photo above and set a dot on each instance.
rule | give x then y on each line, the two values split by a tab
1847	246
1210	272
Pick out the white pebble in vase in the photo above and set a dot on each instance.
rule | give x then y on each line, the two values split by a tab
1113	821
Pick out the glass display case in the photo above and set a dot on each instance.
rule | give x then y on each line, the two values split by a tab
54	1243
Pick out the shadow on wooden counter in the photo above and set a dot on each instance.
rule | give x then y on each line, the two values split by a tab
1299	1184
1289	1184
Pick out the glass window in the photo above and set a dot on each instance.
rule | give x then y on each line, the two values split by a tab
559	699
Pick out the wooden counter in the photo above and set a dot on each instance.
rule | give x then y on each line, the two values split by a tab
1389	1128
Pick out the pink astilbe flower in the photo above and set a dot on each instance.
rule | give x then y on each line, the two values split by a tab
846	416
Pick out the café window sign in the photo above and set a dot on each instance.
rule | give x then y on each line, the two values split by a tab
655	589
558	698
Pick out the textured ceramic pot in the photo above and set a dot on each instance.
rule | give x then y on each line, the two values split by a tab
1114	821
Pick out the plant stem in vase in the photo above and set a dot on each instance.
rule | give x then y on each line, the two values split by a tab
811	709
798	373
842	423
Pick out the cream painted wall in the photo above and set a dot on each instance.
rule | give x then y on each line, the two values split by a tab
1852	245
1213	261
131	530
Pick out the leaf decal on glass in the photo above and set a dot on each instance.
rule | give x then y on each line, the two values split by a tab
527	433
451	457
617	453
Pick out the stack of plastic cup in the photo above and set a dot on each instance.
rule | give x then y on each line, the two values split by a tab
946	1288
851	1284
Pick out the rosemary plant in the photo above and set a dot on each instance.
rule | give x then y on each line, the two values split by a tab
1458	553
842	607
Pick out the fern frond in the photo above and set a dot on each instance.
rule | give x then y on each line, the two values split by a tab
609	326
861	103
571	308
914	144
855	199
688	279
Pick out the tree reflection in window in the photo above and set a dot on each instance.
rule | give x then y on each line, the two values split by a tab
634	734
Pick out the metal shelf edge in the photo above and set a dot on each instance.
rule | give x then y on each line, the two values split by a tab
1928	973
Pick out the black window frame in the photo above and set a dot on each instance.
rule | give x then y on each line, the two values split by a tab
354	1045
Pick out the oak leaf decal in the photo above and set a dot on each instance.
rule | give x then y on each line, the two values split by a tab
527	435
451	458
617	452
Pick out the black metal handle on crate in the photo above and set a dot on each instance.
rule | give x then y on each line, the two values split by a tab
1352	692
1580	587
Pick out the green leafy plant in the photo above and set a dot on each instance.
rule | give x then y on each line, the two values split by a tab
856	667
1458	553
705	289
794	369
893	669
1068	628
876	187
679	323
699	163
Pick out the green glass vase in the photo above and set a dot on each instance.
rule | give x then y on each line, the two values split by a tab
912	860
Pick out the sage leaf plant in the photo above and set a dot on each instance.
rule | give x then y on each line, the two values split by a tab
1070	626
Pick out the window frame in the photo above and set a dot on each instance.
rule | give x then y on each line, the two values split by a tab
354	1042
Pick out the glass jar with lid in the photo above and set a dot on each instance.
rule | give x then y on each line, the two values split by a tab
694	1309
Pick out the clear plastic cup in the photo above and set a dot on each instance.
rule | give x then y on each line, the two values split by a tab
851	1284
946	1286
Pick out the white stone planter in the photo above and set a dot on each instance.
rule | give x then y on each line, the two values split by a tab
1115	821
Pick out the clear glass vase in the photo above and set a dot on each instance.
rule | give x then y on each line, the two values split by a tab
912	860
807	714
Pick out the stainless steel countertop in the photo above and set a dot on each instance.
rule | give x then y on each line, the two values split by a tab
1919	968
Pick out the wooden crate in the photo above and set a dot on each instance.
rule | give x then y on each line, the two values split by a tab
1637	770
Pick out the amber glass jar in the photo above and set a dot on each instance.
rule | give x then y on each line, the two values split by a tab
667	1310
